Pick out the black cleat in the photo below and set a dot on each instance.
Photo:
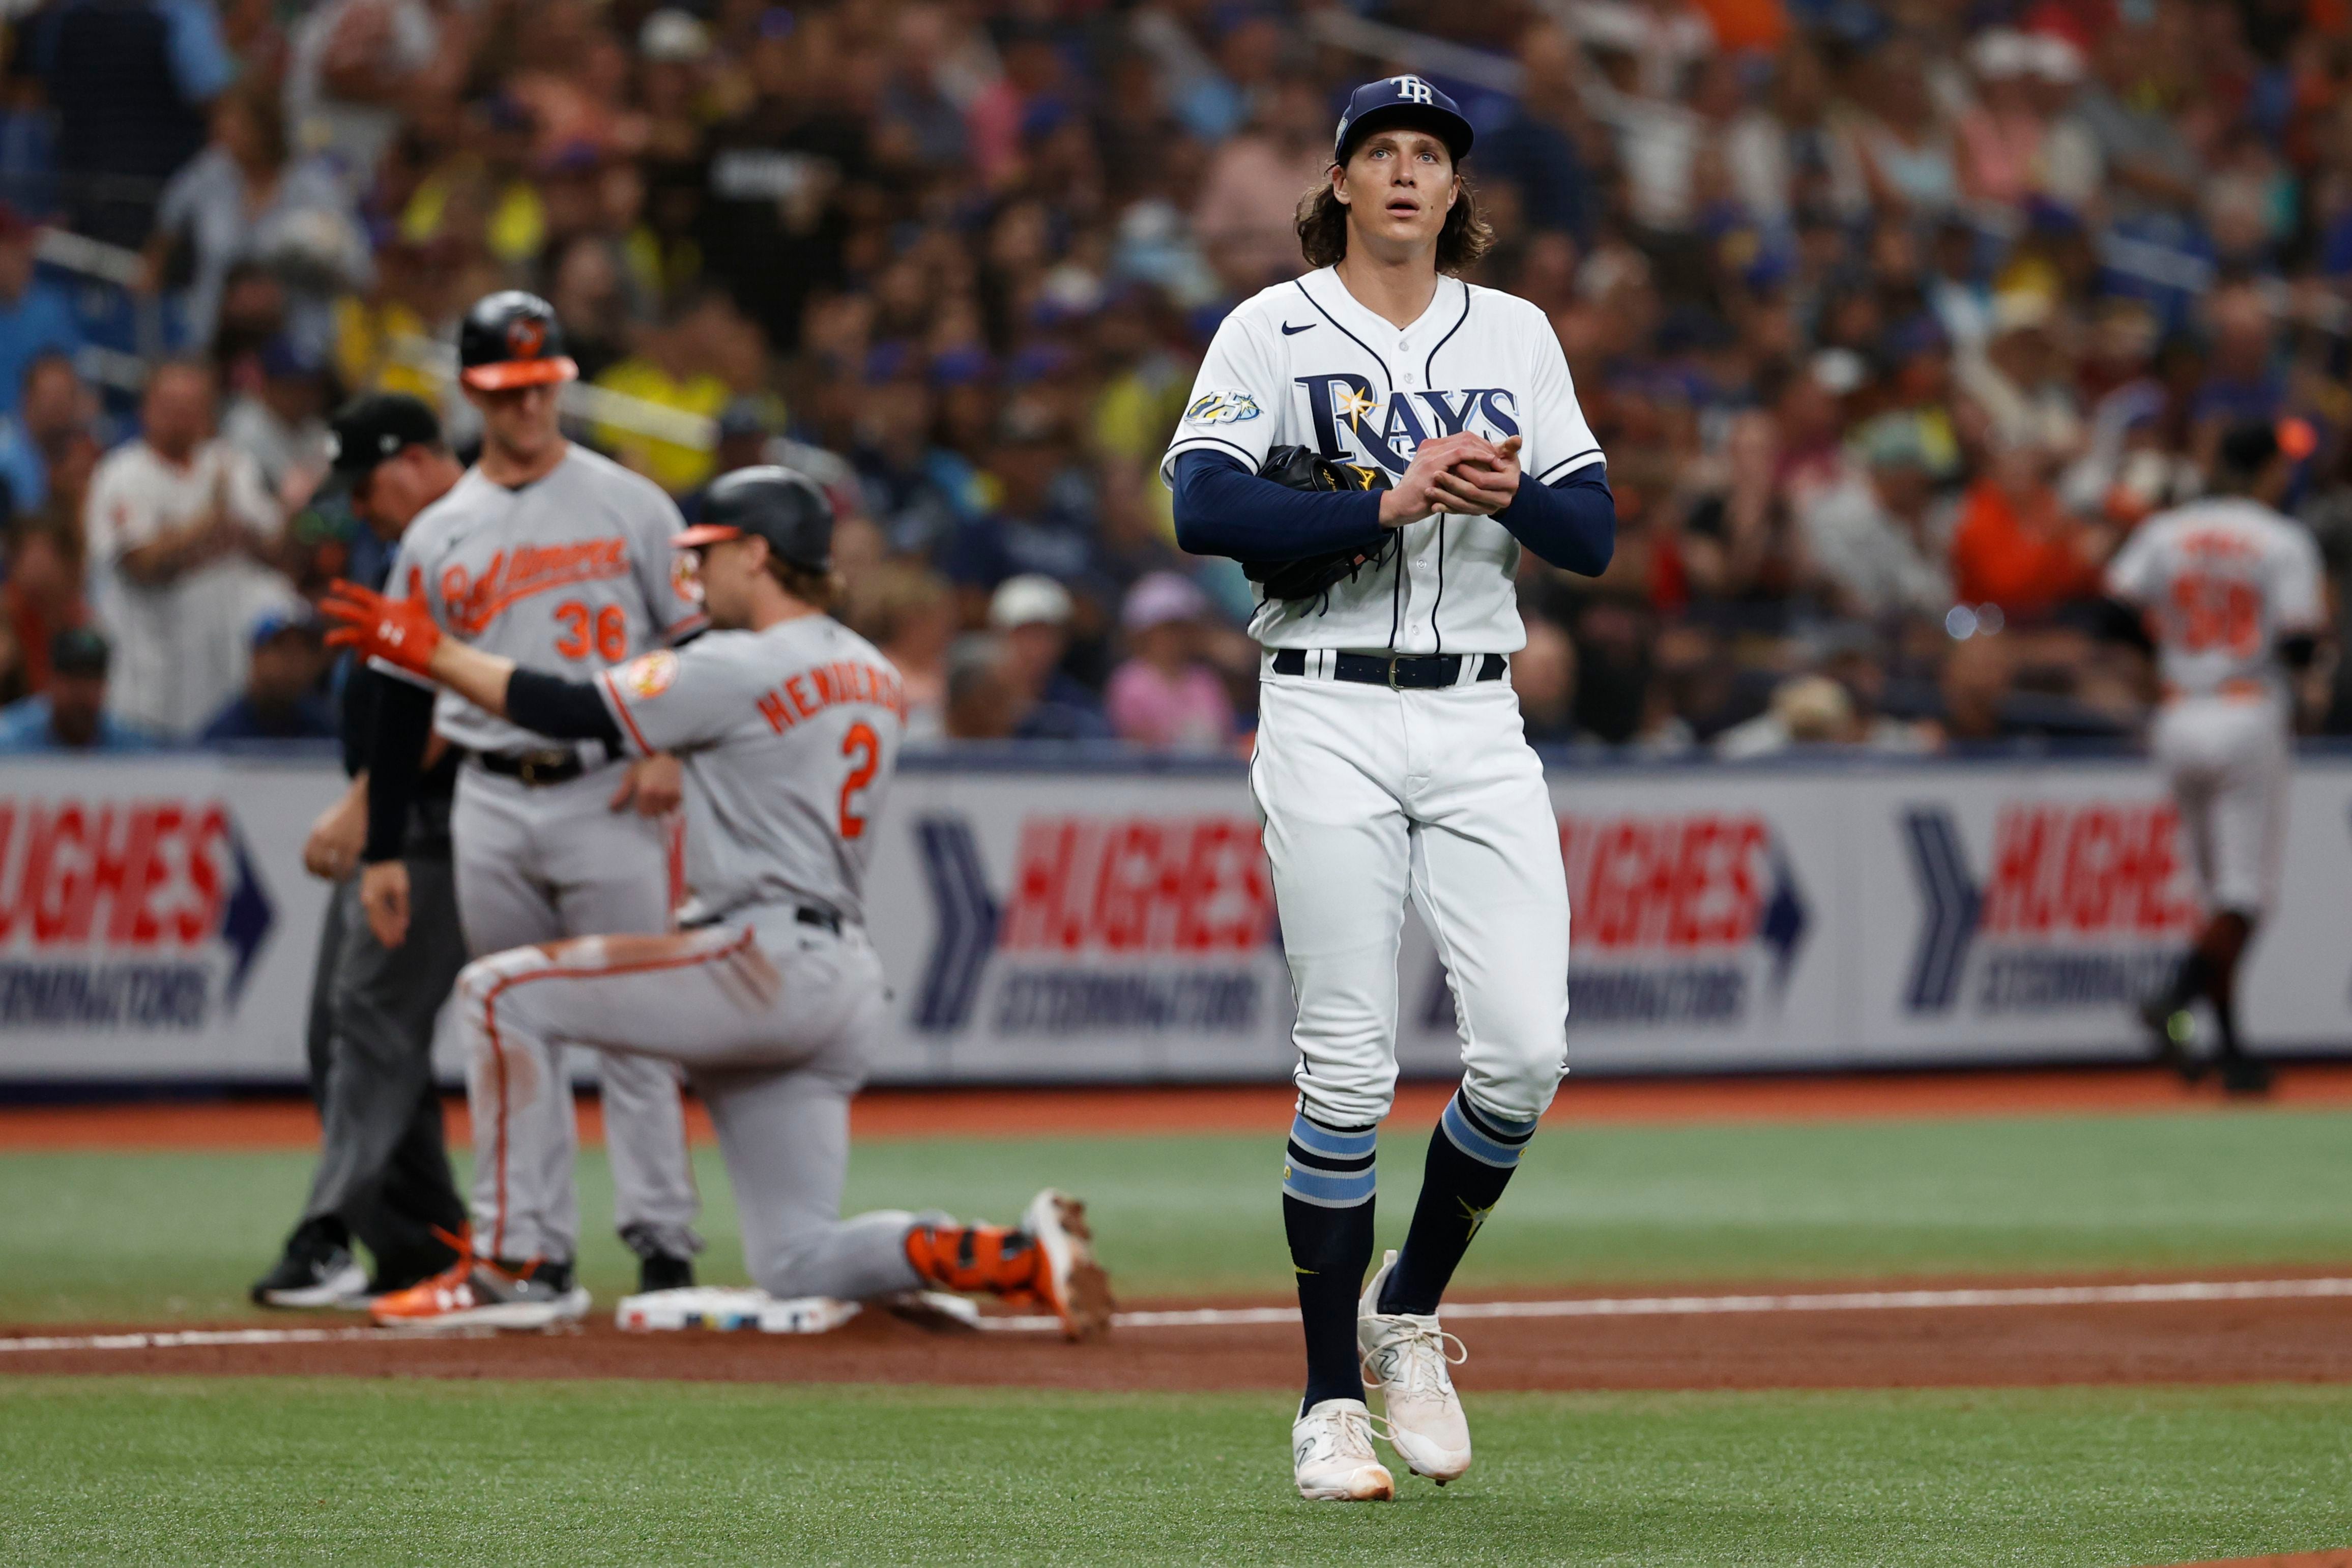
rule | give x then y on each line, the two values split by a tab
2244	1075
316	1270
2173	1028
665	1271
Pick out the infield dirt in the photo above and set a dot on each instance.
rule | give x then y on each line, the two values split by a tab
2254	1341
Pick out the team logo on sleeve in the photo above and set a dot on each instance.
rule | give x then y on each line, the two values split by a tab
1221	408
649	675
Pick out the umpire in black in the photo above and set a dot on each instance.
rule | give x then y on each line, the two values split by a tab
384	1171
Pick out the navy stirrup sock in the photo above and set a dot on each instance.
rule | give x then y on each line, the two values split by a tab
1471	1157
1327	1183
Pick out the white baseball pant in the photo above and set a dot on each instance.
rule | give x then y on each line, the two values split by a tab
2228	760
770	1017
536	864
1369	795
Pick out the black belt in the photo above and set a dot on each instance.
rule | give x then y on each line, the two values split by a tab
1402	673
805	914
535	769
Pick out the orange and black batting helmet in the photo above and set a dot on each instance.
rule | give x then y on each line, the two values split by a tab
512	339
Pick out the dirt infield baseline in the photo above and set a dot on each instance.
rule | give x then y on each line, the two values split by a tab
286	1123
1953	1333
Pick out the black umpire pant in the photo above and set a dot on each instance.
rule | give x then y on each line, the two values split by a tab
383	1169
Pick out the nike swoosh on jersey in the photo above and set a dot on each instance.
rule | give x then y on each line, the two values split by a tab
1290	331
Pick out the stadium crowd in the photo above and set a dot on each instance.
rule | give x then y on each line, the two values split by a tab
1892	320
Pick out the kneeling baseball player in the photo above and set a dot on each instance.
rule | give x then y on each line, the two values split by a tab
788	725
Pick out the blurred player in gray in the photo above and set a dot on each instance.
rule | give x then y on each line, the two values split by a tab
788	724
383	1173
562	561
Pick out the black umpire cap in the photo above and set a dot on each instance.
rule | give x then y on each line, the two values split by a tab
512	339
1401	100
373	429
781	505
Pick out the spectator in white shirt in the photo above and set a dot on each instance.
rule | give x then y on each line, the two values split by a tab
1875	536
180	527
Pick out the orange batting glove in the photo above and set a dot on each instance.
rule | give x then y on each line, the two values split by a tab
398	631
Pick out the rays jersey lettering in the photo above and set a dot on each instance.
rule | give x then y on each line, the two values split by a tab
1325	372
567	575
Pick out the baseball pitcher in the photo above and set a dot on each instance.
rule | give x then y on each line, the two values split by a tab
1376	442
562	561
787	725
2227	591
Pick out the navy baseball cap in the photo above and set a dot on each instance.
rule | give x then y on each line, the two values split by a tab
1401	100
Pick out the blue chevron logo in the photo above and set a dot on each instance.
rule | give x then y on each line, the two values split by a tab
245	920
968	916
1954	907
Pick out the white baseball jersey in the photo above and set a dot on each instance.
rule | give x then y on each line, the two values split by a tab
182	647
788	738
569	576
1304	363
2222	581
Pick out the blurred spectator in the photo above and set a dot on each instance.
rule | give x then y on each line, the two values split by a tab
129	80
1539	150
1042	523
983	699
910	614
1872	536
2015	546
1805	710
1543	673
282	699
49	433
356	65
1246	217
1031	614
71	715
1744	556
178	525
247	199
36	318
1163	696
282	423
41	596
671	369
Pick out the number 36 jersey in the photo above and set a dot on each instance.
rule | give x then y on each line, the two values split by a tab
2220	582
788	738
569	576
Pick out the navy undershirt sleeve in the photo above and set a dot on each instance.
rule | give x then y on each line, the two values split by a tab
562	710
1572	525
1223	508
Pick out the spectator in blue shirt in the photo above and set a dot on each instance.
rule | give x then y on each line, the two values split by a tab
54	413
70	716
282	699
1031	614
36	318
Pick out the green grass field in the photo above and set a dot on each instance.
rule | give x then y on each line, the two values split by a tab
179	1235
183	1470
194	1470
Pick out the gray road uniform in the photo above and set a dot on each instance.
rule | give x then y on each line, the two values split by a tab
569	576
788	737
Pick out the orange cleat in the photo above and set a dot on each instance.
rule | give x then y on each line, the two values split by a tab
485	1293
1047	1261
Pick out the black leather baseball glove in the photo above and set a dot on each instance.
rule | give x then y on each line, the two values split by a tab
1302	468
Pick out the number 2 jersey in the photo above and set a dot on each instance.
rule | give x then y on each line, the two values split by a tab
2219	582
567	575
788	738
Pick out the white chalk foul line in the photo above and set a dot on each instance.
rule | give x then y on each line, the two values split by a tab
1243	1317
1818	1302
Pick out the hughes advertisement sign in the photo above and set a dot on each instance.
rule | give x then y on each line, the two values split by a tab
1057	924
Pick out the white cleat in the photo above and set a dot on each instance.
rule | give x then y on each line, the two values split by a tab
1331	1454
1405	1357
